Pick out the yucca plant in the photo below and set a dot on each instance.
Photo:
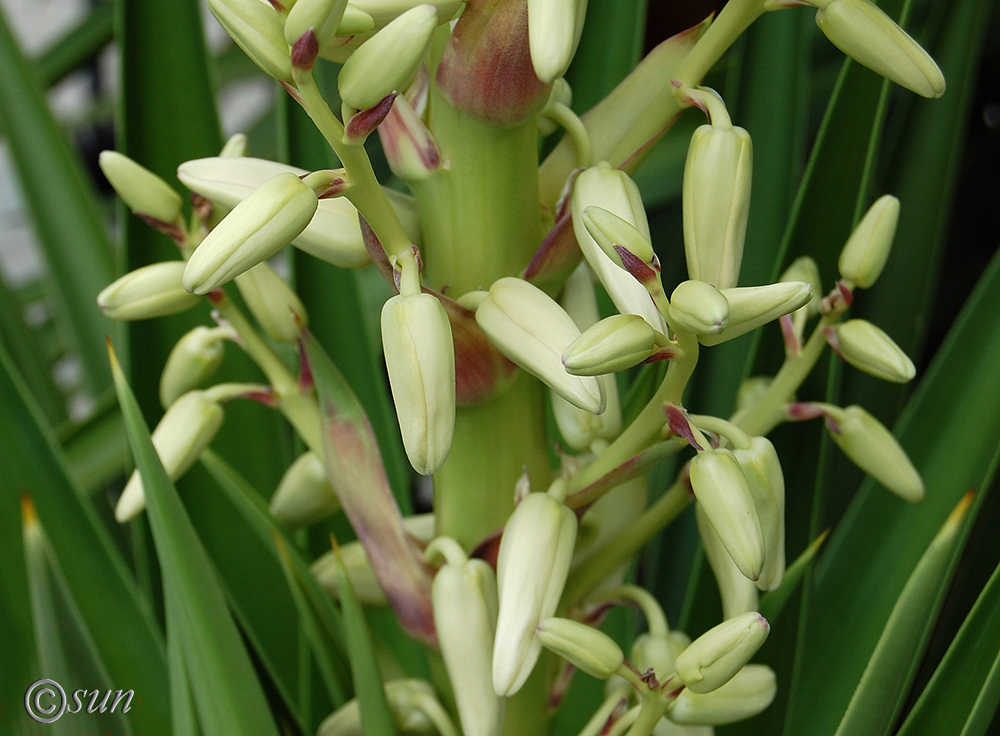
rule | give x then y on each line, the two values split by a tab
534	428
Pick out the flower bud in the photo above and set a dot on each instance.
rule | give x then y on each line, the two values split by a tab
804	269
716	202
403	697
383	12
738	593
191	362
533	331
613	344
714	658
304	495
872	448
864	256
762	469
749	692
420	357
409	146
753	306
554	28
143	191
465	616
186	429
256	229
868	348
277	309
609	230
871	38
234	147
388	60
561	94
698	307
257	28
722	489
151	291
322	17
586	648
532	565
614	191
333	234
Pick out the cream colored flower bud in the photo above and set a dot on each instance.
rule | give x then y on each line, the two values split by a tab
353	22
614	191
609	230
383	12
871	38
388	60
868	348
750	691
420	357
532	565
762	469
738	593
613	344
256	229
304	494
698	307
714	658
322	17
716	203
722	489
561	94
333	235
586	648
753	306
235	146
873	449
404	698
554	28
151	291
867	250
532	330
257	28
143	191
185	430
465	617
192	361
277	309
359	571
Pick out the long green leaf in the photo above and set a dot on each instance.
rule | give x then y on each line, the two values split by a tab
77	250
227	694
78	45
119	622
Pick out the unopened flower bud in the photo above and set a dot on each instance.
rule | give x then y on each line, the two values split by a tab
586	648
554	28
804	269
191	362
420	357
304	495
868	348
256	229
871	38
722	489
872	448
235	146
151	291
714	658
867	250
533	331
143	191
387	61
383	12
749	692
408	144
753	306
404	698
611	232
762	469
738	593
258	29
716	203
561	94
699	308
277	309
614	191
322	17
532	565
613	344
185	430
465	617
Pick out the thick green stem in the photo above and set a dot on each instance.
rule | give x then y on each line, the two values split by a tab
735	18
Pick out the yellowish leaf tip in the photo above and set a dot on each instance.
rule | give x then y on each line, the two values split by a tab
29	516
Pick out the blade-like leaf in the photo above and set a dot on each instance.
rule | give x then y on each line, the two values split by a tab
227	695
78	45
